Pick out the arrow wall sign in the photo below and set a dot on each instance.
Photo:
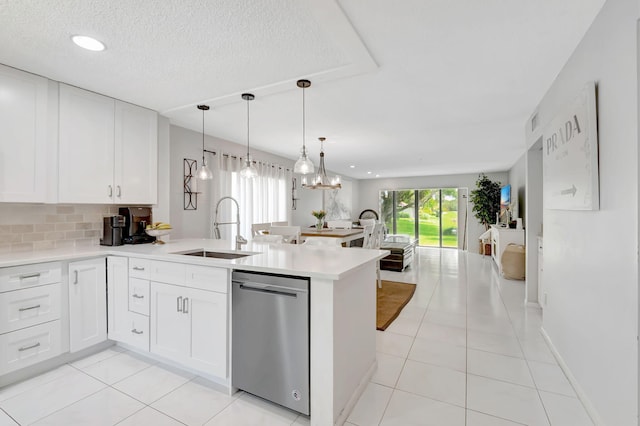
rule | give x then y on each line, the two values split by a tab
570	155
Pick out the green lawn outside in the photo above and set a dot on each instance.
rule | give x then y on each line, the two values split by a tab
429	235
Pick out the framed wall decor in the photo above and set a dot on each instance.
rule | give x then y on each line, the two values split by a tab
570	155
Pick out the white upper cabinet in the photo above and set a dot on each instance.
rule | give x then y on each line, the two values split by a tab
108	150
136	155
87	122
23	136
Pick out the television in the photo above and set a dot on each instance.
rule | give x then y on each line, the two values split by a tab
505	205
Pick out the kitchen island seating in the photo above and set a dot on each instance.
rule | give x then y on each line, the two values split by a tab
290	234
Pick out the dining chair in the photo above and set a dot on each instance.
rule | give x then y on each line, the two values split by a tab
323	241
290	234
260	228
373	240
368	234
284	223
267	238
339	224
365	222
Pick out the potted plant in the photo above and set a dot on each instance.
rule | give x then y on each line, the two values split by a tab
319	215
486	204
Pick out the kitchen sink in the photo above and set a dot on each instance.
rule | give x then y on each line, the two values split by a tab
215	254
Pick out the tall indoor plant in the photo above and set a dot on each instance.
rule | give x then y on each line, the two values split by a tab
486	203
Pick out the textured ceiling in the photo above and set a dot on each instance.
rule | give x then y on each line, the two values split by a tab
399	88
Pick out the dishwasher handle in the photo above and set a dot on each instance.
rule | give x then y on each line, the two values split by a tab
266	289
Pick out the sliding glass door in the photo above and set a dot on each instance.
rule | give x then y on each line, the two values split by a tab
428	215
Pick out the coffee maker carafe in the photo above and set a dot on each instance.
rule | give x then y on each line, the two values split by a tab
112	227
136	221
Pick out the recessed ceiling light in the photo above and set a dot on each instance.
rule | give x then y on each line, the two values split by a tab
88	43
352	166
368	173
377	175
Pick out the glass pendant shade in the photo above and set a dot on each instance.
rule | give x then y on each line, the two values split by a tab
303	165
203	172
248	169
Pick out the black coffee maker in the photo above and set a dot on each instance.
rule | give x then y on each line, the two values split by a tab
136	221
112	227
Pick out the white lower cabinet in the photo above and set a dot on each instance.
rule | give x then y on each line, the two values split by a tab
189	326
87	303
124	324
30	311
29	346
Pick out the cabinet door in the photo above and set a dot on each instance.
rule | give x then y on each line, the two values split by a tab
87	303
23	138
86	133
118	298
170	325
136	154
208	351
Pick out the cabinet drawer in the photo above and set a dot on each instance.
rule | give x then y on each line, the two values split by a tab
29	346
168	272
208	278
139	296
139	268
137	332
18	277
28	307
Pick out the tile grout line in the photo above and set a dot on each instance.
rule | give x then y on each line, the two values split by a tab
546	413
406	358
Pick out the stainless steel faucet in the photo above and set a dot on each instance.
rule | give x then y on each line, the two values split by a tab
240	240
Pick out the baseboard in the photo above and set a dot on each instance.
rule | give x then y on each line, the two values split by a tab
582	396
344	414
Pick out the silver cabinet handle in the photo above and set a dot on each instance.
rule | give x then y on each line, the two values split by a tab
118	191
134	331
179	300
138	268
26	348
75	279
185	305
26	277
137	296
29	308
110	191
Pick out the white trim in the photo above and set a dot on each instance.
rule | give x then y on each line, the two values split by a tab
582	396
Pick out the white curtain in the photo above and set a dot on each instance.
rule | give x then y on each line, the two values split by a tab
262	199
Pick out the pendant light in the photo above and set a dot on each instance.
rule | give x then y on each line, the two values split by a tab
322	181
203	172
248	170
303	165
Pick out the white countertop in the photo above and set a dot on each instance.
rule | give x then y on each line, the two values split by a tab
291	259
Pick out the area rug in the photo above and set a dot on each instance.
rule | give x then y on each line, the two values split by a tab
392	297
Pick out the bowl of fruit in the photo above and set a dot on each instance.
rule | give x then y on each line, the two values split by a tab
158	229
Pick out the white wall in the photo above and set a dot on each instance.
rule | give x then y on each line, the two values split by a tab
368	195
590	257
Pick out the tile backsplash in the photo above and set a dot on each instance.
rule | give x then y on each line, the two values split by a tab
30	227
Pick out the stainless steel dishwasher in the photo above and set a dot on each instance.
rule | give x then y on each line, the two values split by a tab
270	337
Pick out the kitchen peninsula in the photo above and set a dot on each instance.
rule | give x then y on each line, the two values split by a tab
341	313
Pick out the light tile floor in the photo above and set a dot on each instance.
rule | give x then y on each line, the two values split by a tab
464	352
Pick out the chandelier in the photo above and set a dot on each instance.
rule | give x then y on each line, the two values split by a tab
321	180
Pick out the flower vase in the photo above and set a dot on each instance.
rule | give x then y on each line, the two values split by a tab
319	224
